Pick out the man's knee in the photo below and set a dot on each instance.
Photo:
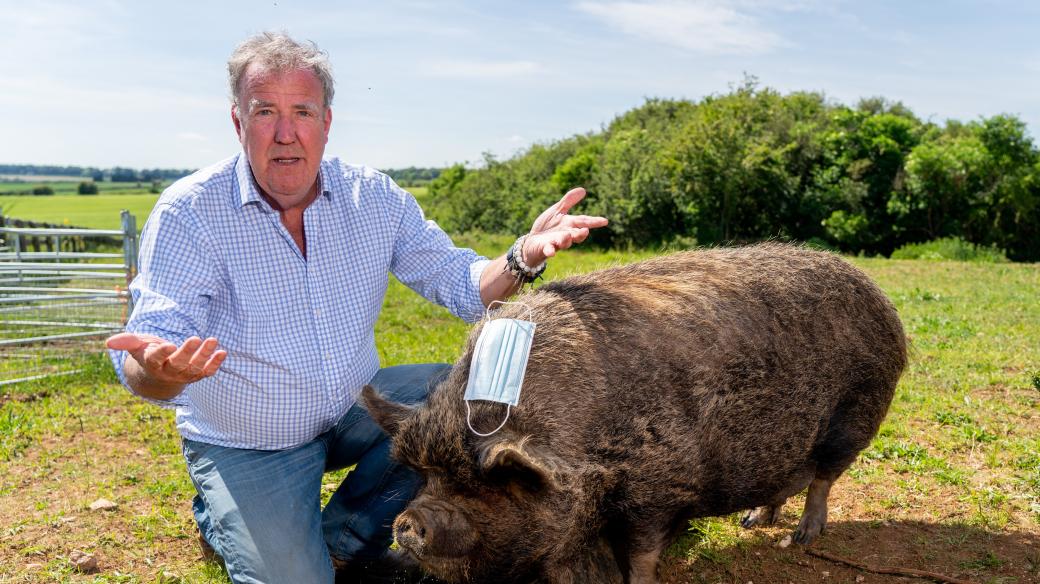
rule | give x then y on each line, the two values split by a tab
409	384
261	511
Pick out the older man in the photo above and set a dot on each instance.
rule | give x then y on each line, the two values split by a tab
279	258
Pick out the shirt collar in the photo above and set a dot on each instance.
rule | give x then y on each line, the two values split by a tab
250	193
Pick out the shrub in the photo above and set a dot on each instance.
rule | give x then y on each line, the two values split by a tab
950	248
43	190
87	188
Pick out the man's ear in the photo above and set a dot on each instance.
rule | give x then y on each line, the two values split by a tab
386	413
235	120
328	122
519	461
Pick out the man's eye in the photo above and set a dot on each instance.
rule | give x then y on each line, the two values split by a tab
304	113
264	112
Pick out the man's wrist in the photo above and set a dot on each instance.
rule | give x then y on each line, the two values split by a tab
518	267
146	385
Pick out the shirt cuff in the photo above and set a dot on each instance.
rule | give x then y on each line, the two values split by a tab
473	308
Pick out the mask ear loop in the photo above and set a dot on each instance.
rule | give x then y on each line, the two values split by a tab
530	311
470	424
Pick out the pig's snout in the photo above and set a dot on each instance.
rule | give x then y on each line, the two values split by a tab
410	532
433	528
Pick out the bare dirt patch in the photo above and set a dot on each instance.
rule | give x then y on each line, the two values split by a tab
957	551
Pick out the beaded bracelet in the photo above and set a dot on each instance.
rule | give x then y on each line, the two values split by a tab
516	265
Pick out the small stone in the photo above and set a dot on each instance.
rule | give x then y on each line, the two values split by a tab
102	505
860	578
83	562
33	566
825	573
785	542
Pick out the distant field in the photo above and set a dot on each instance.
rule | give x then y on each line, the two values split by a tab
24	178
96	211
68	186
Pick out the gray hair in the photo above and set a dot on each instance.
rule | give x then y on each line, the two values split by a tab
277	52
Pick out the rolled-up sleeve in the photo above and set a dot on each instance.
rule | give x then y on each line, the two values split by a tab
425	260
173	286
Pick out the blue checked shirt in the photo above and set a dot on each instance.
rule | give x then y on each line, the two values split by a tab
216	261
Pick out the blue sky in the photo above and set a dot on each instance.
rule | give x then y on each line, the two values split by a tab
142	84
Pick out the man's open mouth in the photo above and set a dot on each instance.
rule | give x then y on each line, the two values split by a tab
286	160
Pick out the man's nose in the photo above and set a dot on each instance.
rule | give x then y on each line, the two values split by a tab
284	133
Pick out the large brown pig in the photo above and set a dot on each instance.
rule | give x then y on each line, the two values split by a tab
690	385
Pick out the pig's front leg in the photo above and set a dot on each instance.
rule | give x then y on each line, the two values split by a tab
643	558
597	566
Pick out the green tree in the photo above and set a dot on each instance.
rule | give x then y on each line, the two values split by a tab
741	161
866	150
945	183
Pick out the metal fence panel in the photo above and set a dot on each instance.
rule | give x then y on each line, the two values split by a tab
61	295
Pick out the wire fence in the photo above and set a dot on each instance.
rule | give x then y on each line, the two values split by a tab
62	292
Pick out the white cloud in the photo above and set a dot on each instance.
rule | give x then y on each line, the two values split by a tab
705	26
481	69
192	137
41	92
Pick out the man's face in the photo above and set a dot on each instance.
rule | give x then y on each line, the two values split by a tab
283	125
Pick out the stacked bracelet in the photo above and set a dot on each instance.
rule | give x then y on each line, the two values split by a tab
516	265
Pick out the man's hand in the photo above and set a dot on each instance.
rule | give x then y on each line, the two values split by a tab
554	229
160	369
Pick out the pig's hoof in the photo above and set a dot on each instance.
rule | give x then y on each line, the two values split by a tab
807	531
764	515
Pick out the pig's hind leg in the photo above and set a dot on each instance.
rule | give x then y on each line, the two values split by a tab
764	515
851	427
814	518
769	514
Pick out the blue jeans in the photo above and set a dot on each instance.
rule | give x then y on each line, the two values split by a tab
261	510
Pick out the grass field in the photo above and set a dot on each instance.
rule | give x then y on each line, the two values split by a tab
951	484
95	211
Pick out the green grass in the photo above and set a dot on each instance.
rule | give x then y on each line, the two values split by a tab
949	248
93	211
958	451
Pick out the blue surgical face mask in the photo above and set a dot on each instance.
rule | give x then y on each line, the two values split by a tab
496	370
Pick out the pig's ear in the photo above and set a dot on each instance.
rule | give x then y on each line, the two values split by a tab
519	461
386	413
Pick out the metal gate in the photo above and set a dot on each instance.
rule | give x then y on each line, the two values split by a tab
60	303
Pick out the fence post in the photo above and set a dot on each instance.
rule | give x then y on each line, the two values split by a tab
129	254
